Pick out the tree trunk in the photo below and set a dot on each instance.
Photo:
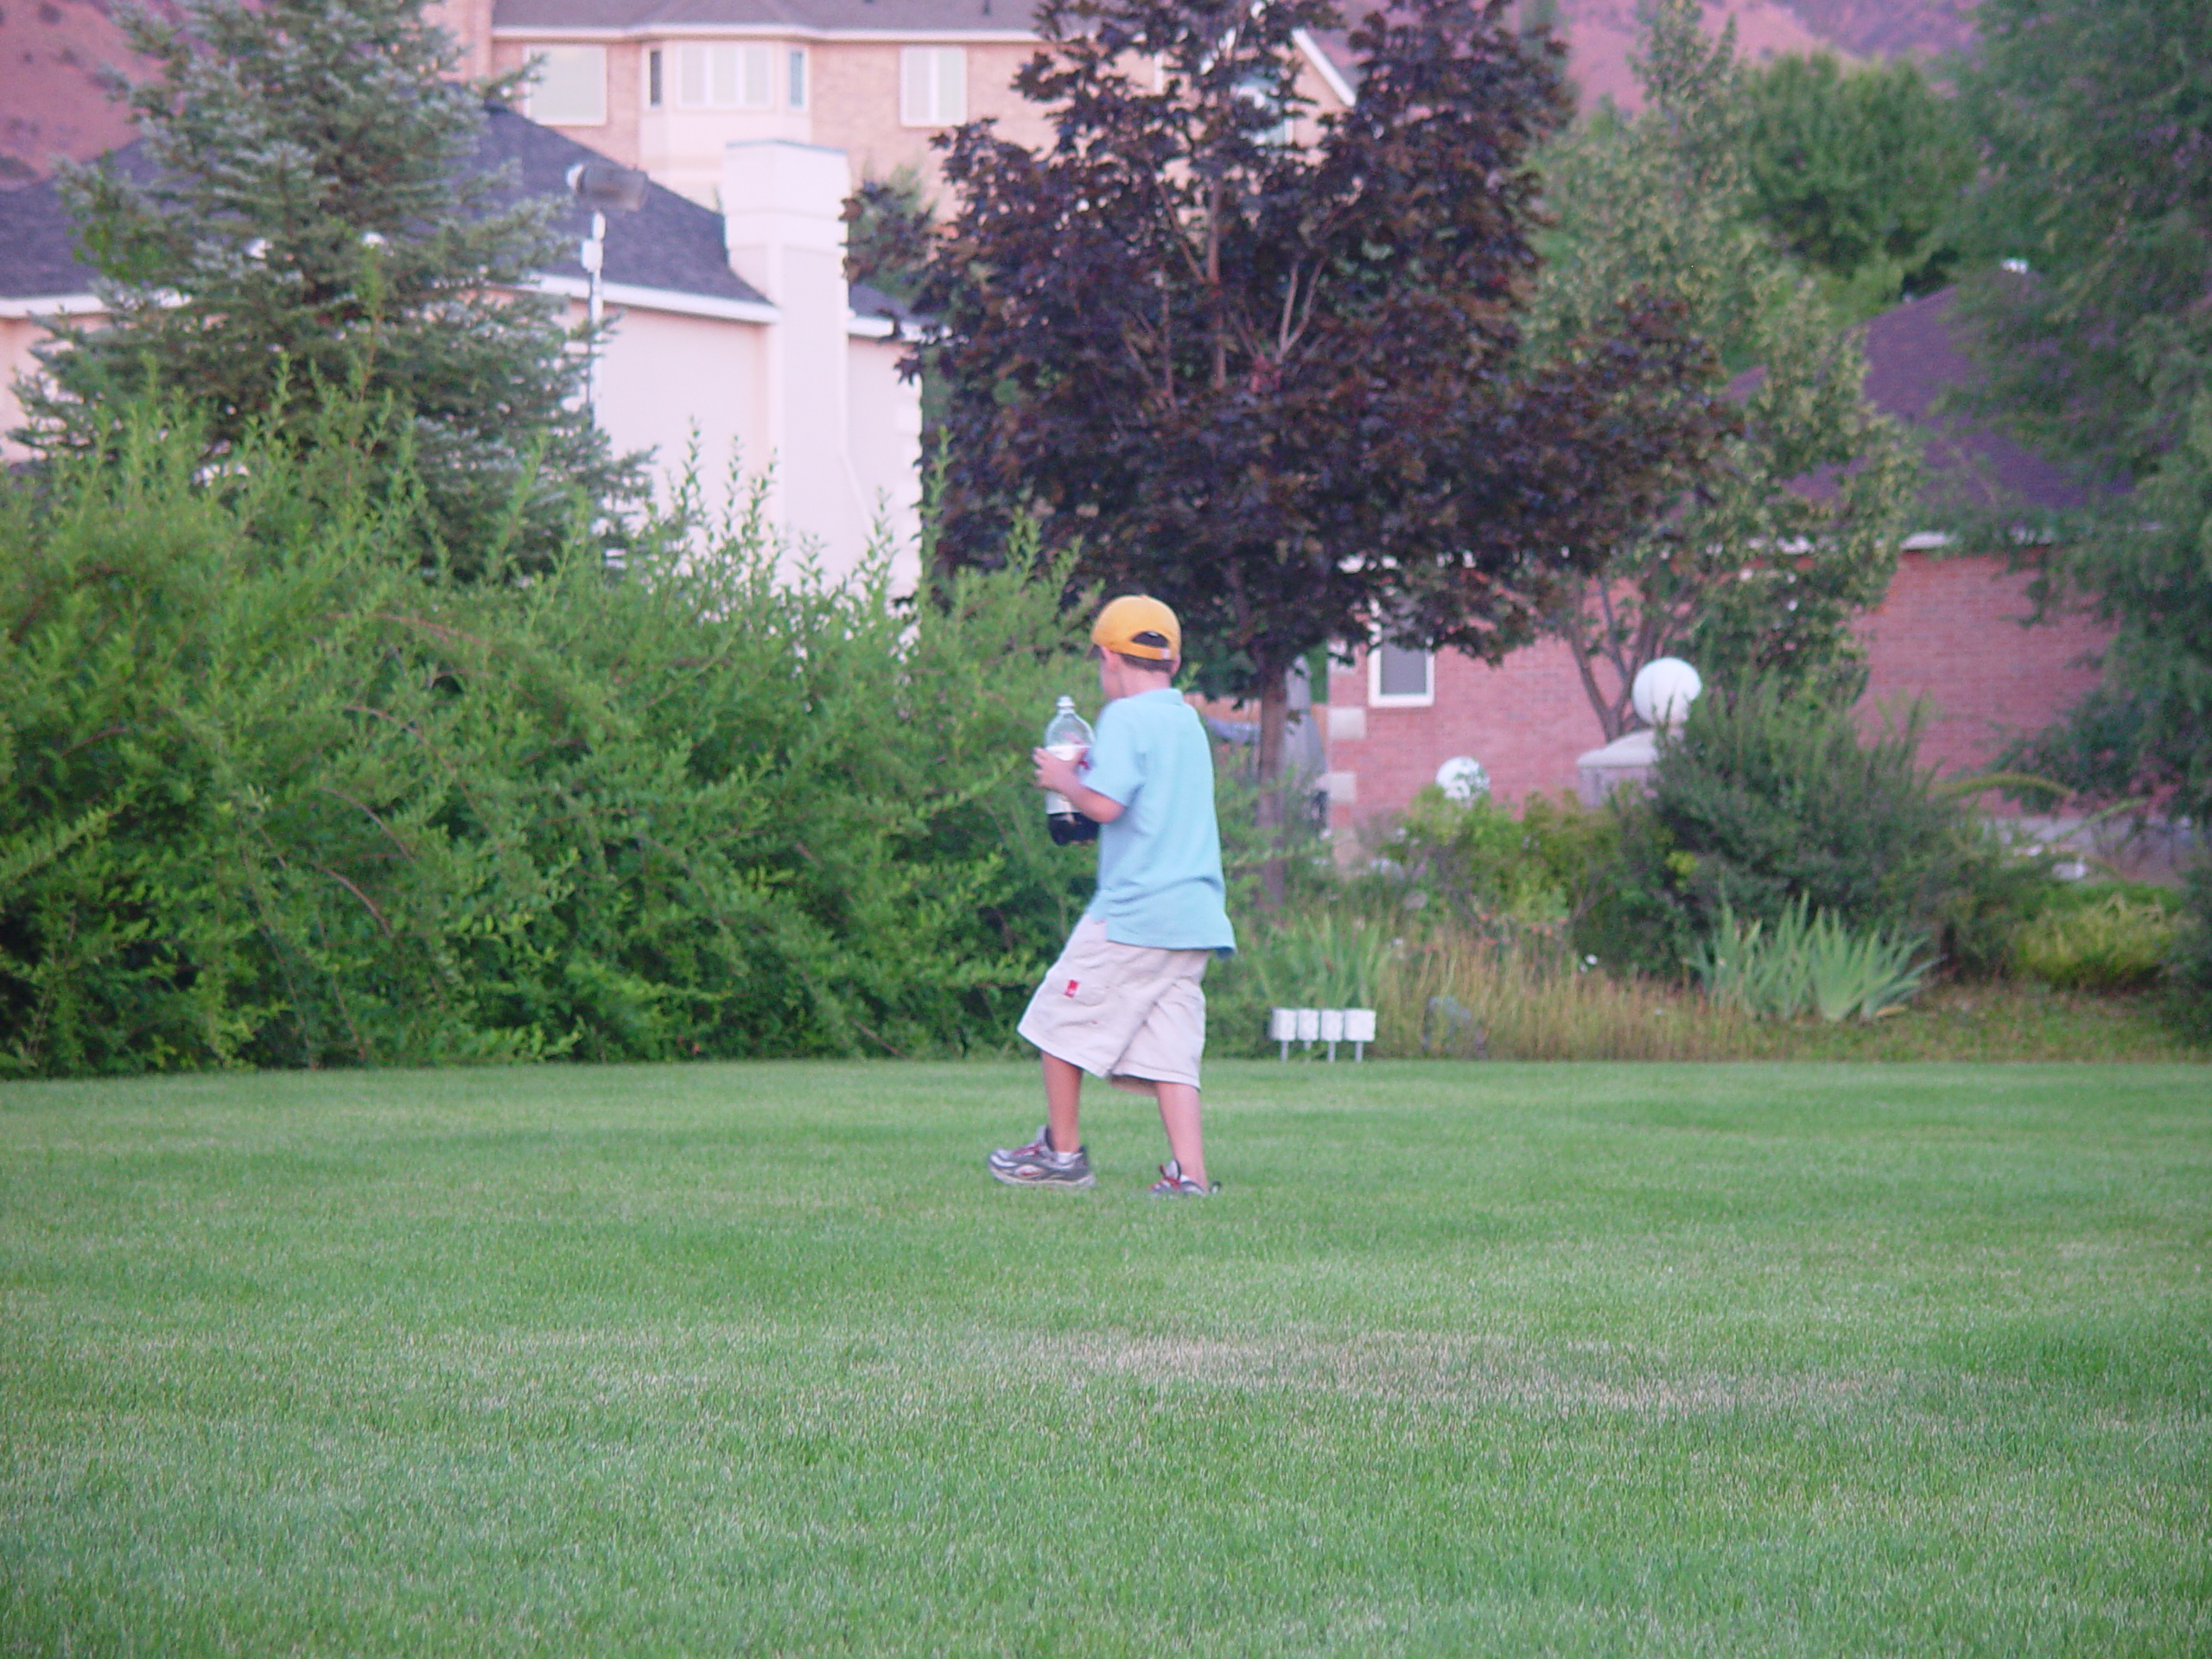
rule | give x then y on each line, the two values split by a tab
1275	726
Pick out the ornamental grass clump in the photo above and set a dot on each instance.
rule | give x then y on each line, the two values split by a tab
1326	959
1457	994
2119	941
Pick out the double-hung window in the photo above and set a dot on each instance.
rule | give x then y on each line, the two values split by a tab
932	85
726	77
1399	676
570	87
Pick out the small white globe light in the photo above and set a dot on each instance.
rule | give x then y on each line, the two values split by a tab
1664	690
1462	778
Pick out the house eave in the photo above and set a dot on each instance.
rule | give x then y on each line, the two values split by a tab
32	308
635	298
598	34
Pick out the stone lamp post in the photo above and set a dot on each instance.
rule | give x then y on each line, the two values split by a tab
1660	695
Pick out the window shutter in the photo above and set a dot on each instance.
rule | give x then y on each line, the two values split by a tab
915	86
952	106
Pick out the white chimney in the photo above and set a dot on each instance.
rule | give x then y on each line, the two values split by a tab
781	207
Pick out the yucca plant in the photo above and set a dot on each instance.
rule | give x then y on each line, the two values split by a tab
1808	960
1866	975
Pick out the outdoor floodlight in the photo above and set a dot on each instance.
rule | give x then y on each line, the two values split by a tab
602	186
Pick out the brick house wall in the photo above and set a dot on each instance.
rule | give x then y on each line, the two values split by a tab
1952	630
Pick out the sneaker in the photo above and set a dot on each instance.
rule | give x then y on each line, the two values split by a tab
1174	1183
1008	1157
1042	1167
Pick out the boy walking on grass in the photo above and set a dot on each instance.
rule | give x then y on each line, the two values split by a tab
1123	1001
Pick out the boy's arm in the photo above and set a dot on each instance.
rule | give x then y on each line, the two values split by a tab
1061	776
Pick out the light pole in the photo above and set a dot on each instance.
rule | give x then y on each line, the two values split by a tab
601	186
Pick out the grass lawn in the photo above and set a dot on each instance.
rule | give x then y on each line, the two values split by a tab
1474	1359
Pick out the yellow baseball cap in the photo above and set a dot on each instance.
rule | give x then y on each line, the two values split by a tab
1137	626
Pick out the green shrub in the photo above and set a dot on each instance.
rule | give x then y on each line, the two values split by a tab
275	795
1479	864
1765	800
2116	942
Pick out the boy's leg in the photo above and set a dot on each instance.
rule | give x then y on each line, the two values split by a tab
1179	1116
1062	1103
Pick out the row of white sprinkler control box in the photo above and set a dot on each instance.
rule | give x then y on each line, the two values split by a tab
1330	1026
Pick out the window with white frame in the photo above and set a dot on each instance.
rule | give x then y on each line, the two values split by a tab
795	77
570	88
932	85
726	77
1399	676
655	88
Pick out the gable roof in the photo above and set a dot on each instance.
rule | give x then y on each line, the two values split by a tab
670	244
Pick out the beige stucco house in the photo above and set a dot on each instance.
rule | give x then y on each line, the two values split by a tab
669	85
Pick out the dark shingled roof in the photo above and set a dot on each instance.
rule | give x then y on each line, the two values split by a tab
1912	359
670	242
38	245
898	17
1970	470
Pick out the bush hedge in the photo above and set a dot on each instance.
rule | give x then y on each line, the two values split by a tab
278	796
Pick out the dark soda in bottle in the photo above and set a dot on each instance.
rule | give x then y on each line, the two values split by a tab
1068	735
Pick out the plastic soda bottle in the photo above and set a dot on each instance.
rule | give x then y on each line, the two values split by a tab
1068	735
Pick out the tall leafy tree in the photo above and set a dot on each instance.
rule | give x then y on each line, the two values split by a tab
1856	171
1266	366
1755	566
305	215
2093	323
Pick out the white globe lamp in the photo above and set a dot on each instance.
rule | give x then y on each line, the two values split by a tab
1664	690
1462	778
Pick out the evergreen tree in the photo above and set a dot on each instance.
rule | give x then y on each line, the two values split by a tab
304	217
1741	570
2094	218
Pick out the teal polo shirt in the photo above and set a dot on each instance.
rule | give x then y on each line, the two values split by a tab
1158	863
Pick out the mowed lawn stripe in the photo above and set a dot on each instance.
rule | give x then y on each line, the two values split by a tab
1467	1359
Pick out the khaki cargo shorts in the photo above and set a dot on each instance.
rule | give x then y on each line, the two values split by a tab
1122	1010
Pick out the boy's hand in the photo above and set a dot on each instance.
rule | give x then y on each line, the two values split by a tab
1062	777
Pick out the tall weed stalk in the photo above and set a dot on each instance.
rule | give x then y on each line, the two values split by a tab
1459	995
